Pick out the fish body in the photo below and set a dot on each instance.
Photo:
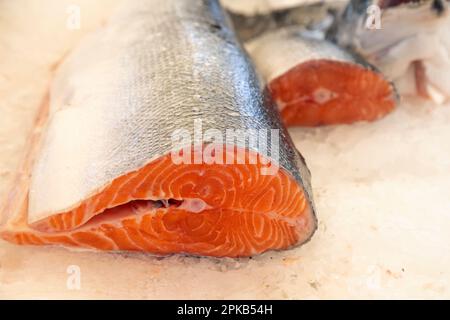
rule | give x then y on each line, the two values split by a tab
407	40
314	82
314	17
100	172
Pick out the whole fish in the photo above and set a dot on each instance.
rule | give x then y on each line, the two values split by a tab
112	164
407	40
314	82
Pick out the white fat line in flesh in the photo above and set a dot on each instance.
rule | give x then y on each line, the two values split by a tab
272	239
145	178
237	241
144	235
89	208
245	239
119	188
104	237
63	222
271	234
92	205
241	239
153	181
160	245
81	246
111	240
321	95
258	231
232	240
217	231
129	238
257	240
132	241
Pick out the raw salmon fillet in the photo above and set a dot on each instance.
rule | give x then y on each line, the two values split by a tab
102	172
316	83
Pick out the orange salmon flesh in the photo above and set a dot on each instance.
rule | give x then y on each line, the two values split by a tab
326	92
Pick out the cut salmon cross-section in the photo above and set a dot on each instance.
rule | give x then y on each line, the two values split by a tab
314	82
163	208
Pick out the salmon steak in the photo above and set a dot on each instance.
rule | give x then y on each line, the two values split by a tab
131	148
315	82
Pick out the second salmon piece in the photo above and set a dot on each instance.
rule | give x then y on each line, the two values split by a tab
314	82
101	171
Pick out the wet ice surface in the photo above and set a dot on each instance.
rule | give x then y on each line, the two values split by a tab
382	192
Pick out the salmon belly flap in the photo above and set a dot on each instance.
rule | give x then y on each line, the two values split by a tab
114	161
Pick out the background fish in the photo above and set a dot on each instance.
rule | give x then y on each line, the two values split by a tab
99	172
314	82
314	17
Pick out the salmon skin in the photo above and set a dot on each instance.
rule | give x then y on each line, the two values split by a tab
100	170
407	40
315	82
